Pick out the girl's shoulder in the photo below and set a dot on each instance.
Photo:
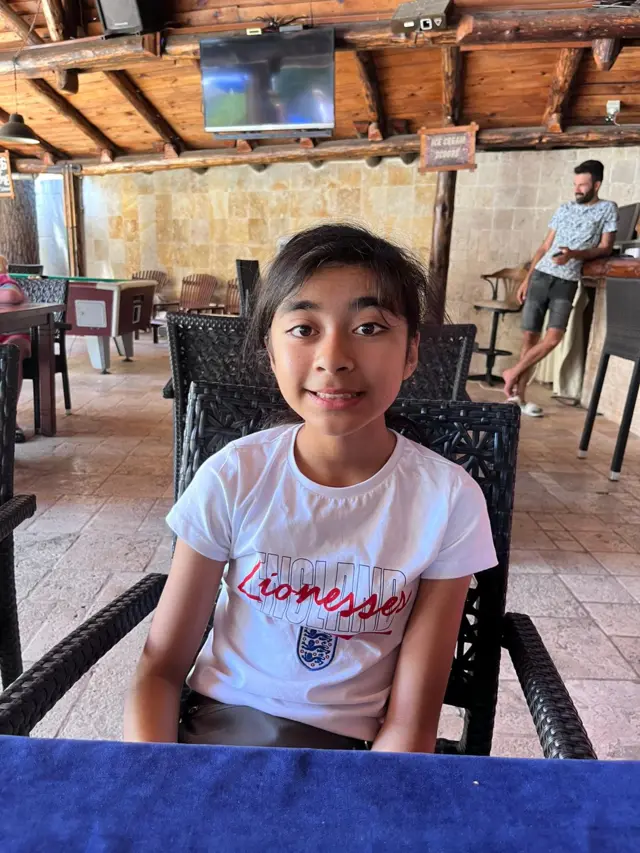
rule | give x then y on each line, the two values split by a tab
253	451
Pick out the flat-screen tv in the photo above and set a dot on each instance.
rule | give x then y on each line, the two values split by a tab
275	84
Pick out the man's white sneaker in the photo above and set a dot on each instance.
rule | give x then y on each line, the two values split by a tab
533	410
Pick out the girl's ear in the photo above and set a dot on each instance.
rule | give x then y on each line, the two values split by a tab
412	356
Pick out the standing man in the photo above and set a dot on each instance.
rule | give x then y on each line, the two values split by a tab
579	231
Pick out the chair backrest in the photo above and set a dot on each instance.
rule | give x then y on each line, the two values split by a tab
507	279
623	318
26	269
248	273
53	290
162	279
628	216
443	365
197	290
207	348
210	349
483	439
9	360
232	302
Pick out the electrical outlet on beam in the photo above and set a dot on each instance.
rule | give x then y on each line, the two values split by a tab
613	110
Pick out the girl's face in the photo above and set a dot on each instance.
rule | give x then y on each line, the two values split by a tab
339	357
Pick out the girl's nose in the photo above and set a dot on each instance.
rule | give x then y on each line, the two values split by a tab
333	354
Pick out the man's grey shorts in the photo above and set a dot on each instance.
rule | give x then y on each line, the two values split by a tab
548	292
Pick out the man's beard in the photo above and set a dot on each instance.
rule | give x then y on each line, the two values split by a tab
585	198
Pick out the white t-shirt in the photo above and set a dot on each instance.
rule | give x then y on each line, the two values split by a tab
321	581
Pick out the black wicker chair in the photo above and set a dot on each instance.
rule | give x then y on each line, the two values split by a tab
483	438
210	350
13	511
55	291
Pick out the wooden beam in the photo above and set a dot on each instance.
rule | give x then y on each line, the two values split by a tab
95	54
54	15
560	91
71	193
499	139
522	138
547	25
64	108
46	147
20	26
372	94
145	109
605	53
451	85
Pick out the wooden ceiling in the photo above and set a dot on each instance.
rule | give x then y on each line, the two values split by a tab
145	102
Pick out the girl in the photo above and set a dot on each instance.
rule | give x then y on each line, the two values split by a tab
350	548
12	294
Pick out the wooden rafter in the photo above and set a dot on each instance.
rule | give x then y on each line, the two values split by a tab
18	25
578	24
560	91
44	145
145	109
64	108
605	53
373	95
451	84
54	15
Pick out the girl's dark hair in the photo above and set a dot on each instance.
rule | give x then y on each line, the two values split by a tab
403	285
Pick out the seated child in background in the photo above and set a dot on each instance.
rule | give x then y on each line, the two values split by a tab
12	294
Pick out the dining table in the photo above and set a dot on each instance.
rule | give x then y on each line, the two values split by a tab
72	795
38	315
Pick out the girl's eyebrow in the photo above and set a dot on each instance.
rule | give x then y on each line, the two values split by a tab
355	305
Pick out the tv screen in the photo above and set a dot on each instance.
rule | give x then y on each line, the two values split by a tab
269	84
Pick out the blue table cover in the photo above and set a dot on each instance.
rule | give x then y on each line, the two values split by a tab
94	796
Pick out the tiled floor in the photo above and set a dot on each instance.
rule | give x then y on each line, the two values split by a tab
104	485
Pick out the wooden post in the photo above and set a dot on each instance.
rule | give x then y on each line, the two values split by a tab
18	225
71	221
444	204
560	91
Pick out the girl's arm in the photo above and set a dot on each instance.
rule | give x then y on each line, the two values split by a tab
11	294
423	668
153	703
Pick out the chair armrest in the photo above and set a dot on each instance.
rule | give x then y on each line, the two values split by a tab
555	717
16	510
33	695
167	392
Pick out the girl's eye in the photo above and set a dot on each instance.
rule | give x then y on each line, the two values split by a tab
368	330
301	331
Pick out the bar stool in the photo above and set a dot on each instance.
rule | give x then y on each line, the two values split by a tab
623	340
509	278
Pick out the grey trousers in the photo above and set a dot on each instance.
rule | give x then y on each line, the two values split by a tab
207	721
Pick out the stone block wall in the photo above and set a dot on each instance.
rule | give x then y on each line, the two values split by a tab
186	223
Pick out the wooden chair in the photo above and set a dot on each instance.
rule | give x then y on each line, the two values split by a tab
482	438
507	280
196	295
232	302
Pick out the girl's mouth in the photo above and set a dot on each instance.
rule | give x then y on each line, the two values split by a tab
336	399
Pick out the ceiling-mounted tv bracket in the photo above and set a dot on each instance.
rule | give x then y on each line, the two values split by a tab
276	25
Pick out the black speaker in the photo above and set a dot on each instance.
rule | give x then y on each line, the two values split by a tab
130	17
